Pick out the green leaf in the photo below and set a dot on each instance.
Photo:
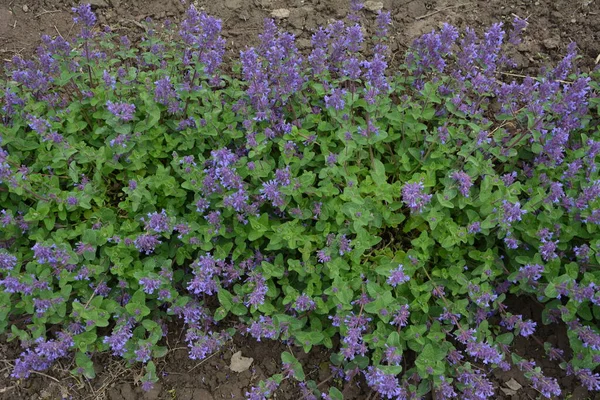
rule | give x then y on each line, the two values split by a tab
220	313
85	364
259	226
378	173
288	358
335	394
226	299
270	270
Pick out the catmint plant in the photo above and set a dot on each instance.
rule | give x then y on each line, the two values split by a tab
318	199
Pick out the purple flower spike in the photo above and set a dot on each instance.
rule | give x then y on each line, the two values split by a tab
123	111
84	15
414	197
397	276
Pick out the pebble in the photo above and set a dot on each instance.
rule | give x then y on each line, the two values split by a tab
280	13
97	3
25	8
373	6
233	4
573	21
304	44
551	43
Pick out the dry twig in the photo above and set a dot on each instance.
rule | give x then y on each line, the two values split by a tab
47	12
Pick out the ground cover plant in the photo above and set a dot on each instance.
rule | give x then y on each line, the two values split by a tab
319	201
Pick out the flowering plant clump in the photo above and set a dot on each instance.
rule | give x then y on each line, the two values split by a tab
319	200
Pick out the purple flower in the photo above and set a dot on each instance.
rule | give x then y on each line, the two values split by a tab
532	272
109	81
119	338
477	386
322	256
588	379
582	252
149	285
556	192
484	352
263	328
158	222
464	336
391	355
555	353
383	20
84	15
331	158
345	245
72	200
43	355
204	270
512	212
214	219
202	344
7	262
282	176
547	250
39	125
474	227
464	182
147	385
445	390
143	353
270	191
49	254
257	297
527	328
165	94
146	243
397	276
519	26
386	385
201	33
414	197
589	337
123	111
548	387
336	99
430	49
401	316
304	303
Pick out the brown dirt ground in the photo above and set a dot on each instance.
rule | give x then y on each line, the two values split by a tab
552	25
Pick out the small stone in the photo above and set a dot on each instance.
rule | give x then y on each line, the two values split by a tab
373	6
25	8
280	13
573	21
303	44
240	363
551	43
233	4
264	3
97	3
513	384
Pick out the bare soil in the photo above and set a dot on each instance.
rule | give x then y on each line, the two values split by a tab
552	25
